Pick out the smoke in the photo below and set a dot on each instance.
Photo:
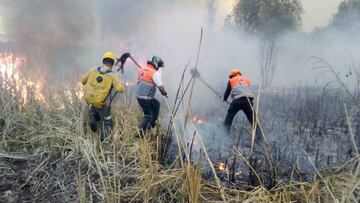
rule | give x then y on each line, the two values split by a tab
50	33
68	37
57	23
322	9
127	17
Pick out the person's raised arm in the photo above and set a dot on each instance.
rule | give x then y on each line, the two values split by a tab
227	92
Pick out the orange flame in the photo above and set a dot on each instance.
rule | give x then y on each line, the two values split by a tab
22	89
12	81
222	166
197	120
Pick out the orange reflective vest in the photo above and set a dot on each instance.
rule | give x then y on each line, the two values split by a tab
240	87
146	87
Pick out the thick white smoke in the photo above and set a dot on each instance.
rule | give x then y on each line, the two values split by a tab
68	33
68	37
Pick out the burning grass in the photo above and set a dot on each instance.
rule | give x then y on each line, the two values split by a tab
49	155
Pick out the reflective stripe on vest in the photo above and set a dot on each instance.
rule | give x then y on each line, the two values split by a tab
146	86
240	87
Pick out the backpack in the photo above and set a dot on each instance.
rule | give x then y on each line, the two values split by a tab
98	87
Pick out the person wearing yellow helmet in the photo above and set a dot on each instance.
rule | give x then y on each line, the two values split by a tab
242	98
101	84
109	59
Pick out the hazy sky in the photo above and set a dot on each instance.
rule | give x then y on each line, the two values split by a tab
1	28
317	13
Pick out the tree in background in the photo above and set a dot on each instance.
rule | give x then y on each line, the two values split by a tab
212	6
348	16
267	19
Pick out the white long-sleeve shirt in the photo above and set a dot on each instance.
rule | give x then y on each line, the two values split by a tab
157	78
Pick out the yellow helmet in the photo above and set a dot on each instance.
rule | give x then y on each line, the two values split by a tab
109	55
234	72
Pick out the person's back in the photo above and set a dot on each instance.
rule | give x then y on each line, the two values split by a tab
146	86
240	87
99	83
149	79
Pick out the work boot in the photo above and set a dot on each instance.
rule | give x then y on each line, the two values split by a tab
2	124
106	127
93	124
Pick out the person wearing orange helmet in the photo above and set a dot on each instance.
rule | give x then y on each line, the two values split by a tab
242	98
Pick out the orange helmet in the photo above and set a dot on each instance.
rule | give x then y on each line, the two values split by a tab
234	72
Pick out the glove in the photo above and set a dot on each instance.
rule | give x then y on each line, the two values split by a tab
163	92
123	58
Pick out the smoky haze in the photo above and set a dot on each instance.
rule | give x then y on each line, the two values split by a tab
70	36
57	23
50	33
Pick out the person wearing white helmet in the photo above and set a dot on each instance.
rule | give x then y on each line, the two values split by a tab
149	80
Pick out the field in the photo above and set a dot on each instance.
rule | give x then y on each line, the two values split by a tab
47	153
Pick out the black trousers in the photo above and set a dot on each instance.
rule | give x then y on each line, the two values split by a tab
246	105
151	109
103	116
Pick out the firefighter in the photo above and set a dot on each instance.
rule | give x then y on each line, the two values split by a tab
149	79
239	88
101	83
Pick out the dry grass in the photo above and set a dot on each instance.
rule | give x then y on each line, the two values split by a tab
49	155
